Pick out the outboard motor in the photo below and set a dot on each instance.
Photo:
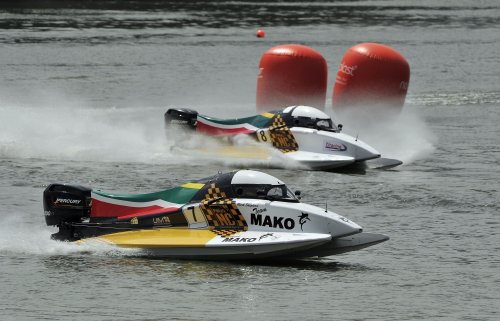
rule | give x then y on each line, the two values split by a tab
181	117
66	204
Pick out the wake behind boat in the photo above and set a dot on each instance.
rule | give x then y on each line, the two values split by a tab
302	134
238	215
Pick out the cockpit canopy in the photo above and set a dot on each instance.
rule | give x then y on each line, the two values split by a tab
253	184
244	184
309	117
263	191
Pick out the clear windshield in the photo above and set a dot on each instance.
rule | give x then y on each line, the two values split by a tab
269	192
320	124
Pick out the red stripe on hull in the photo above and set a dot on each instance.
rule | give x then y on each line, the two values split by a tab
218	131
103	209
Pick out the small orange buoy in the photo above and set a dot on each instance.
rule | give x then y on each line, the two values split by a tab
291	74
260	33
371	75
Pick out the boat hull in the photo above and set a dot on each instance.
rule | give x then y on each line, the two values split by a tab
203	245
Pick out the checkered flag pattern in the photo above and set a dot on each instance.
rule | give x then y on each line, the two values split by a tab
214	192
225	233
281	136
223	216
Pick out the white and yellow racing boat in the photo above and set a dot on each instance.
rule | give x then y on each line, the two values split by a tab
238	215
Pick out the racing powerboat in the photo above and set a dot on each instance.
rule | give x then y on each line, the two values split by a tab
304	135
243	215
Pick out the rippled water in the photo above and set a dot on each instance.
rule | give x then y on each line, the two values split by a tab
83	89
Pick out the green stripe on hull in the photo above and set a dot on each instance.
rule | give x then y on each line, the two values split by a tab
257	121
178	195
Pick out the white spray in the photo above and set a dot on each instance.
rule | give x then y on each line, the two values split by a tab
404	136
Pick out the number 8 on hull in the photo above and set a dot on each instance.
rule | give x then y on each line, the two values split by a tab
303	134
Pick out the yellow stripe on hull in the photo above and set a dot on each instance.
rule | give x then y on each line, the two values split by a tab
247	152
193	185
267	115
160	238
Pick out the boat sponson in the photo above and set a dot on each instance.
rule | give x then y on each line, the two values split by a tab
344	244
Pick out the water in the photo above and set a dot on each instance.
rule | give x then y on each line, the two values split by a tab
82	93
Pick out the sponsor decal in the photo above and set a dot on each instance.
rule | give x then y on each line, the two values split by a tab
281	136
223	217
240	239
344	219
267	235
220	211
403	85
246	204
303	218
283	141
67	201
134	220
47	213
349	70
161	220
178	121
259	210
272	221
335	146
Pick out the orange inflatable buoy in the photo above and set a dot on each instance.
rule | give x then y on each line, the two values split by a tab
371	74
260	33
291	75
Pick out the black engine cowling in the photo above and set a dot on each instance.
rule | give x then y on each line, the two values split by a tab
181	117
66	204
